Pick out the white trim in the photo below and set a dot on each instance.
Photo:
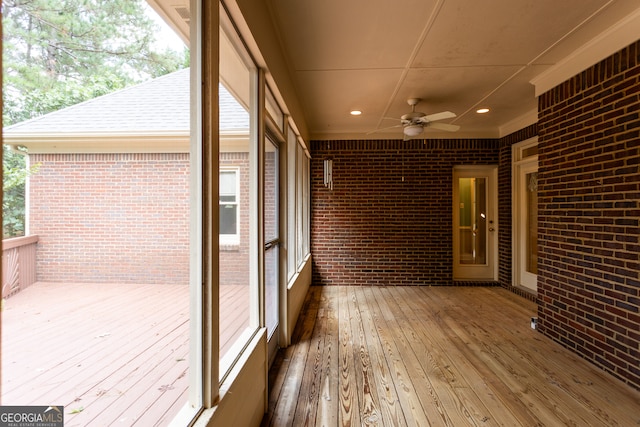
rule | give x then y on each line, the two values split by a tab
519	277
518	123
616	37
118	142
234	143
129	142
467	132
242	393
199	352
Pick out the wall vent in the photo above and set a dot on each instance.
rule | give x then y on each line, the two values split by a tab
183	12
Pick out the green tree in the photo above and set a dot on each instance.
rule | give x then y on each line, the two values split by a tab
58	53
14	175
61	52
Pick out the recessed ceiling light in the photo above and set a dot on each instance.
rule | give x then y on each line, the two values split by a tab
356	112
482	110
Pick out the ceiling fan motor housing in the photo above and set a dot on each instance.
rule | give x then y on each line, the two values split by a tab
412	117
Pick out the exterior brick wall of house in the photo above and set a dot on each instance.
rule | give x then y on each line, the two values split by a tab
388	219
589	214
124	218
106	218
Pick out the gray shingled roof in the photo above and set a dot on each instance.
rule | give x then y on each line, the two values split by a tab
156	106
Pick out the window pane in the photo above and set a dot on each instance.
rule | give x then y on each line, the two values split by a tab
238	218
271	212
228	205
235	304
292	144
106	329
227	182
300	205
271	288
530	151
271	220
306	206
228	215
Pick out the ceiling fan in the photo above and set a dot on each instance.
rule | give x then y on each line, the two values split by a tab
413	123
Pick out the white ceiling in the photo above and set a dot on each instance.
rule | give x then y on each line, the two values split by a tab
457	55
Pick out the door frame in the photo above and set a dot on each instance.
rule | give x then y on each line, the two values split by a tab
521	165
489	270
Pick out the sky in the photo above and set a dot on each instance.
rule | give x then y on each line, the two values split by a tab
166	37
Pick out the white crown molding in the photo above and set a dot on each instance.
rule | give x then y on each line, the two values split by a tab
465	133
518	123
616	37
38	143
123	142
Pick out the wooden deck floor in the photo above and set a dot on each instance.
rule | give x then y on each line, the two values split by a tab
435	356
111	354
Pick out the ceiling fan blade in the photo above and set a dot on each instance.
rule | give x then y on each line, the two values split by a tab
439	116
381	129
444	126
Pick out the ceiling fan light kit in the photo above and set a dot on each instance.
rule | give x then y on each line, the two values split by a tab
413	130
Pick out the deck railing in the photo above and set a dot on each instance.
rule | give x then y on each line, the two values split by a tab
18	264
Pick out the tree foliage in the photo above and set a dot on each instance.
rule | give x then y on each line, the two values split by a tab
15	174
61	52
57	53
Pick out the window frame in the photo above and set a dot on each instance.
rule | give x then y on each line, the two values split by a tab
209	375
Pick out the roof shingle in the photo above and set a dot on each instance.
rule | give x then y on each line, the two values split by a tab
155	106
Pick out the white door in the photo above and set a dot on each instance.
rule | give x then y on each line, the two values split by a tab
525	215
475	223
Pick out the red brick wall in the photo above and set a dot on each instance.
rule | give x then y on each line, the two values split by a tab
589	214
374	228
106	218
111	217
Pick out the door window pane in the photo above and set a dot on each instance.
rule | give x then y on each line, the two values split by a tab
532	222
472	221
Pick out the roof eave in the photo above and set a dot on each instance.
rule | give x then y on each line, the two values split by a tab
92	142
112	142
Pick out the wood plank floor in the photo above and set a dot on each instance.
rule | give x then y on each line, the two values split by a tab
111	354
435	356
